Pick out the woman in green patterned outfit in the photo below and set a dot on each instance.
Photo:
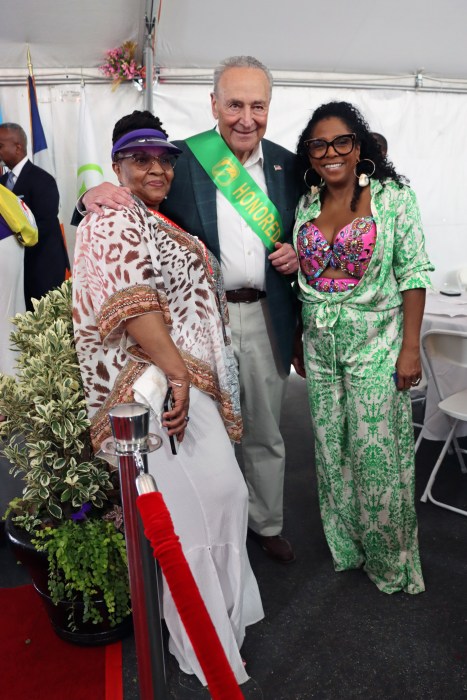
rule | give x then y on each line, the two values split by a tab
362	279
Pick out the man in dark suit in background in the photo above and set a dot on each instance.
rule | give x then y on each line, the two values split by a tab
262	307
46	263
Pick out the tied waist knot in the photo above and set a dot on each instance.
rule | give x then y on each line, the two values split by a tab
327	317
328	314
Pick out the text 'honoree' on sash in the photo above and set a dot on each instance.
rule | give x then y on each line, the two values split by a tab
237	185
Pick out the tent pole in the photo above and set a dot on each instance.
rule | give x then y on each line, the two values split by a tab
148	52
149	64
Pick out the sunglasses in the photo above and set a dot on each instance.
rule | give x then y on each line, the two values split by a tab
342	145
144	161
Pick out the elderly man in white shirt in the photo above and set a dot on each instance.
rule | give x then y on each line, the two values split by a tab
258	276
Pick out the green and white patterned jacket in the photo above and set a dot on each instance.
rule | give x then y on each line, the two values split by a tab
399	261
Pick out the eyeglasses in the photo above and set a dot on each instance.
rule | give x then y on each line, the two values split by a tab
343	145
144	161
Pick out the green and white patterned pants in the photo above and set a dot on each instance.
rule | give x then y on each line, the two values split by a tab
364	444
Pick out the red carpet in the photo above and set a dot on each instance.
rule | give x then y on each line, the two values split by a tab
35	663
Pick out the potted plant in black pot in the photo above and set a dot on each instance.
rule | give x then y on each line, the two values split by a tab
67	527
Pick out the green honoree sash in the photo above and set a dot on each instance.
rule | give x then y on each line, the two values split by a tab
231	178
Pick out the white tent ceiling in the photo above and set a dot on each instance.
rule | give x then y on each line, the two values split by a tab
363	36
364	51
65	34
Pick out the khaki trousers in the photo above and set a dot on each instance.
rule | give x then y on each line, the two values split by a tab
262	387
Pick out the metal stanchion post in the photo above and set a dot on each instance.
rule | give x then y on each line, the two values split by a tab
130	428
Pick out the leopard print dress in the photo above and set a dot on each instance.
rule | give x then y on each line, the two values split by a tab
133	262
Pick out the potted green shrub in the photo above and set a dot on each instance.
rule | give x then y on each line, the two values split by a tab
69	515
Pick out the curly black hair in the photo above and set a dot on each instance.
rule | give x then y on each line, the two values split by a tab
136	120
369	148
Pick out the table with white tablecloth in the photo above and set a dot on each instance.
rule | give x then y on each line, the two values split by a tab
443	313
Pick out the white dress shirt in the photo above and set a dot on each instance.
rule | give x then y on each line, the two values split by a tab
18	167
242	251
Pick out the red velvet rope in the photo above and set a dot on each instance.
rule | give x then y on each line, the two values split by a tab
159	530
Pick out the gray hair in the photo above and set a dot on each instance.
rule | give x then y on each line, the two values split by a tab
241	62
19	132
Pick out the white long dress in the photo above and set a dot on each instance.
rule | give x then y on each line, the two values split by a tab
11	303
207	498
11	297
133	262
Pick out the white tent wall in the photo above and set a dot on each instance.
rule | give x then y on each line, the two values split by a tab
425	131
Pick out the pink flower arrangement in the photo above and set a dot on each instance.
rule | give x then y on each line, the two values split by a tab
120	64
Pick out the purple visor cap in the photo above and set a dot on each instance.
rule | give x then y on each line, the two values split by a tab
140	138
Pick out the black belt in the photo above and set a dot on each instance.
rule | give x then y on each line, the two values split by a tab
244	296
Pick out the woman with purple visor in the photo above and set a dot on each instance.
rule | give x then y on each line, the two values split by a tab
150	314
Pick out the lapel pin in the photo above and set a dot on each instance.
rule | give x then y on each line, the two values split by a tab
278	167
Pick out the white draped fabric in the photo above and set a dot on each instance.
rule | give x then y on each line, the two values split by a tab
11	297
445	314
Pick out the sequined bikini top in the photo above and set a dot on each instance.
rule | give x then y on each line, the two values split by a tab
351	251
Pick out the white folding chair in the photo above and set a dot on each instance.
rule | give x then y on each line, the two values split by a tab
418	398
448	347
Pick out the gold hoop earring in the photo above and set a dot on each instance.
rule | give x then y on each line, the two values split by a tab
304	177
313	187
364	178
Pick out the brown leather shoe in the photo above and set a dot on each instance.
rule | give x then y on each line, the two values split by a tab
275	546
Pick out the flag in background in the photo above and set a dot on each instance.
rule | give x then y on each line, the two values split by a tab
40	151
90	172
